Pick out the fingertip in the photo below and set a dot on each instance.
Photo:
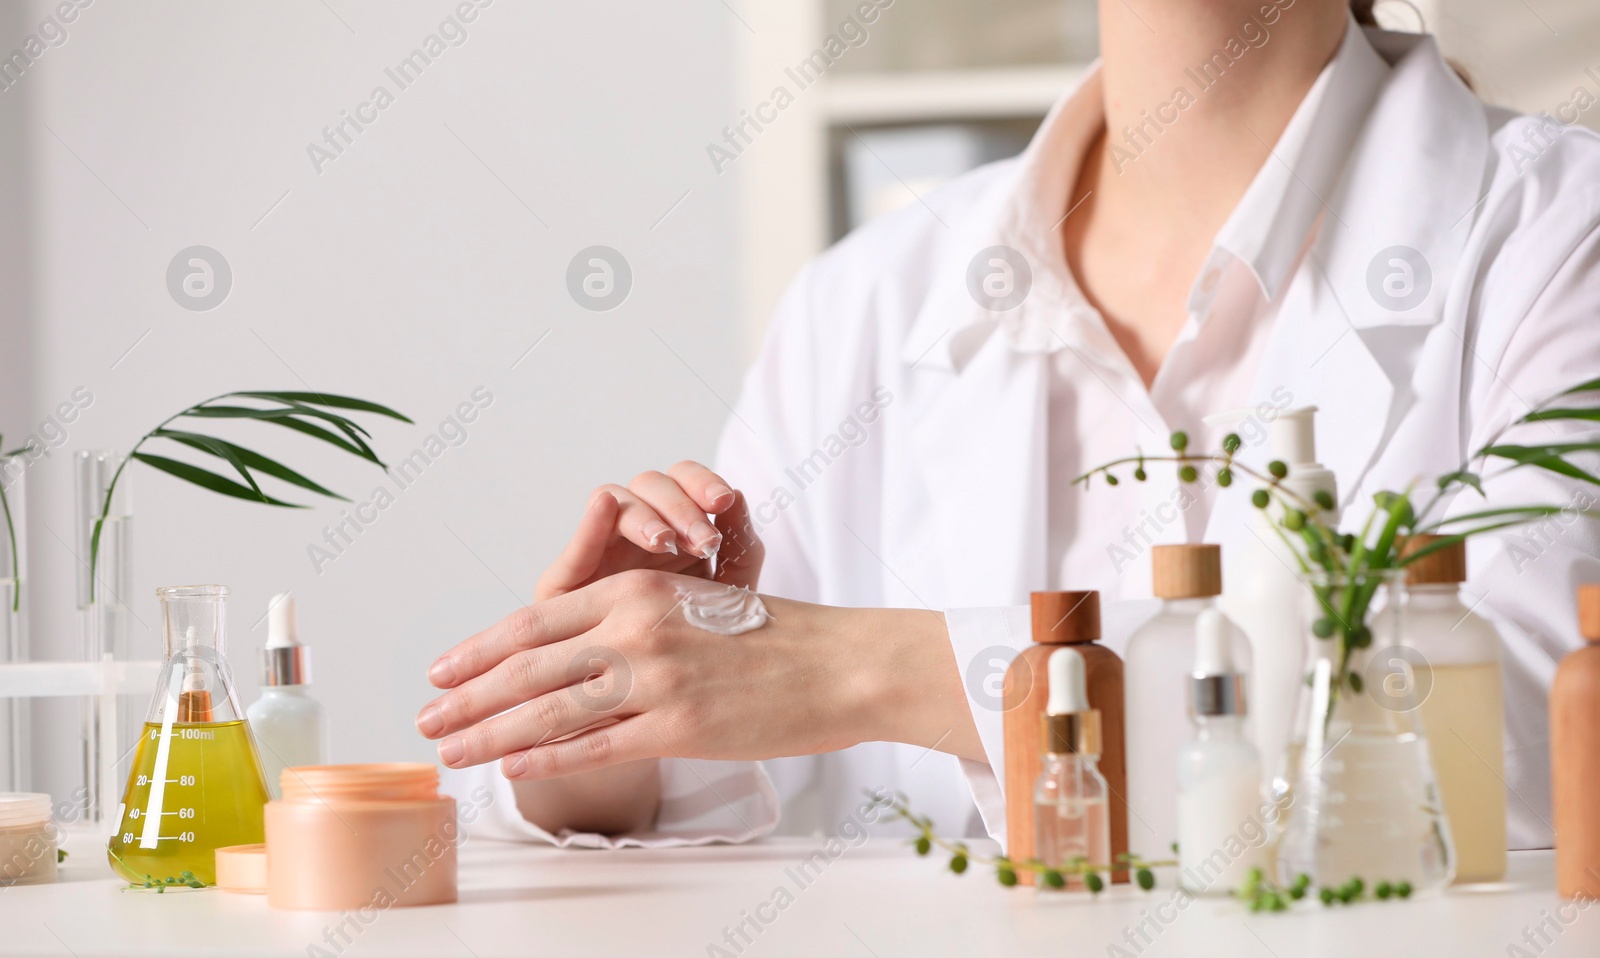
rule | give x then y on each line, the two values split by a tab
718	497
442	673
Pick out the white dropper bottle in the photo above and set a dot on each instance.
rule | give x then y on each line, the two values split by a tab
290	726
1221	828
1262	593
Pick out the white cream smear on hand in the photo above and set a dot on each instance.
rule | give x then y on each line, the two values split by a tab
722	609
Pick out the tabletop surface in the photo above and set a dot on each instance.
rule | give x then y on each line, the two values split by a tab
874	901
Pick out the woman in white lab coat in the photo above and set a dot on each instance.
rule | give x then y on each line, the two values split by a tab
1246	205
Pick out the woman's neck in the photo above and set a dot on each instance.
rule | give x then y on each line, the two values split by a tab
1197	92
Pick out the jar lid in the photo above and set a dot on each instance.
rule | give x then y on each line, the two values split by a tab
1065	617
23	808
242	868
1191	571
1589	611
1444	566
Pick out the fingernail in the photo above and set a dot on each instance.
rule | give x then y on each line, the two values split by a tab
451	750
443	672
660	535
718	493
516	765
707	540
430	722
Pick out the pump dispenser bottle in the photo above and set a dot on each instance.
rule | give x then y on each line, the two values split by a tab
289	724
1463	712
1575	757
1219	773
1061	619
1071	817
1158	661
1264	596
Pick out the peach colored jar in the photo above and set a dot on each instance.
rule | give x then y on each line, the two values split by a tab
349	836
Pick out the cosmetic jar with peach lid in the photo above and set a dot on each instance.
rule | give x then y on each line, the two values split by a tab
349	836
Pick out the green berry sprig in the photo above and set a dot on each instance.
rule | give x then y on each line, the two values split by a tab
1091	874
1260	893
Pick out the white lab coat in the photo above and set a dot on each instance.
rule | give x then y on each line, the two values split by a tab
933	493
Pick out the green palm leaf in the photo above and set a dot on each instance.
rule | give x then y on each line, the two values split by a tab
243	458
207	479
326	399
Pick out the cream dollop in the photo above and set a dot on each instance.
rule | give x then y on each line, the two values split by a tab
722	609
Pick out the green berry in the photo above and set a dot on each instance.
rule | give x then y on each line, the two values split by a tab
1403	889
1296	892
1322	499
1093	882
1140	475
1356	886
1055	879
1180	441
1356	683
923	845
1360	637
1260	499
1188	473
1294	520
1111	480
958	864
1146	878
1326	895
1348	542
1302	881
1008	876
1277	468
1384	890
1224	477
1231	443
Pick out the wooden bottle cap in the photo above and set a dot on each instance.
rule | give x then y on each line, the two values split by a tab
1588	611
1186	571
1062	618
1445	566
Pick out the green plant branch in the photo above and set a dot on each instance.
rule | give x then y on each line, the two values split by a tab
292	412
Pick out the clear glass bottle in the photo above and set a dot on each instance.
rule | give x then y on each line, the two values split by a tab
1072	821
1363	801
196	783
1463	708
1220	832
1157	663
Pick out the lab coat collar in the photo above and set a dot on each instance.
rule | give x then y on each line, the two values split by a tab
1401	215
1022	209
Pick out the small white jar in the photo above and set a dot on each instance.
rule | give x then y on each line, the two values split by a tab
27	839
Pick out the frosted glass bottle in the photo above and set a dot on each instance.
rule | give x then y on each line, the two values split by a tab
1463	712
1220	833
290	726
1157	665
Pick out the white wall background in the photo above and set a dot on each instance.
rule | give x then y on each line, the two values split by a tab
406	272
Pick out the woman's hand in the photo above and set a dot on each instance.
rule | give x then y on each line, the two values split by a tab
659	521
613	672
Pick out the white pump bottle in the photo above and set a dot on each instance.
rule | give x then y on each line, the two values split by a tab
1263	595
289	725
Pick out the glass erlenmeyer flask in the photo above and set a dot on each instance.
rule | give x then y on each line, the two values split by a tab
196	782
1363	801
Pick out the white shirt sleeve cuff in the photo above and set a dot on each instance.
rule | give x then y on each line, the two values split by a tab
702	802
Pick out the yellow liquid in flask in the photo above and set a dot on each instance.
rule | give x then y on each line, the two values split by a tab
205	793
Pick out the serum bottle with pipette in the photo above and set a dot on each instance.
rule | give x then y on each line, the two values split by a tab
1071	818
290	725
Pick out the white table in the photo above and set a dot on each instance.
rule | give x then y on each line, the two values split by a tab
878	899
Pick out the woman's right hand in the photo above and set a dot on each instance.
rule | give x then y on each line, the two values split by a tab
660	521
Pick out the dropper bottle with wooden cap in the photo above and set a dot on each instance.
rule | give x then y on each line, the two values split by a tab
1160	657
1061	619
1463	711
1575	757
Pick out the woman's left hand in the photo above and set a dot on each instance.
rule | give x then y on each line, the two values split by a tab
613	672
